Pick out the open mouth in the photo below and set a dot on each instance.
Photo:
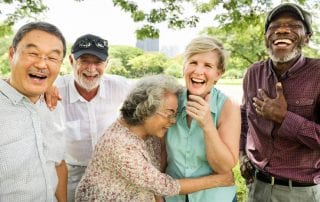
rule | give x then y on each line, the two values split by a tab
37	76
197	81
90	76
282	42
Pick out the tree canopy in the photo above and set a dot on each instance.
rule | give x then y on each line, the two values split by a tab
176	14
239	25
22	9
179	14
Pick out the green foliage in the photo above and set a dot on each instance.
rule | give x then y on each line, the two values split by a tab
125	53
173	12
148	63
133	62
22	9
115	66
174	69
66	67
240	184
4	63
232	15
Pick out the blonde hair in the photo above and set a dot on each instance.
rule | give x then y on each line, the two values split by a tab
205	44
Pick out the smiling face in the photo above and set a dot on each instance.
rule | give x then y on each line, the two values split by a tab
285	37
201	72
158	124
88	70
35	63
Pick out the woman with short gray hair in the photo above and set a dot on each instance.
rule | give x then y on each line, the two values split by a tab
126	162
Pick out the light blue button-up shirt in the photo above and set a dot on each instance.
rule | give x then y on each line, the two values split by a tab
186	154
31	145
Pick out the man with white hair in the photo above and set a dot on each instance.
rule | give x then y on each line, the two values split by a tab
91	100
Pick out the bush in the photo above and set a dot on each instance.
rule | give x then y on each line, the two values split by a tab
174	69
240	184
115	66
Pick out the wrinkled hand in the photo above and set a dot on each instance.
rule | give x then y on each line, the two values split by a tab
52	97
273	109
199	109
246	168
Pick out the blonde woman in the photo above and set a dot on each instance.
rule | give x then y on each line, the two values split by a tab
205	138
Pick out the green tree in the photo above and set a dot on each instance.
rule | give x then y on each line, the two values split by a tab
171	12
148	63
115	66
229	13
4	63
174	67
125	54
22	9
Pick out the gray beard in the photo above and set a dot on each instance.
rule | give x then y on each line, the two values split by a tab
88	86
290	56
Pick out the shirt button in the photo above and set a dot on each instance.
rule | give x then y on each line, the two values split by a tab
297	102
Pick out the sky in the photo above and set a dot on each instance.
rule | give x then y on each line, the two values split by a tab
101	18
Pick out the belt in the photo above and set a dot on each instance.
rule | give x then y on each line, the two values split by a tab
267	178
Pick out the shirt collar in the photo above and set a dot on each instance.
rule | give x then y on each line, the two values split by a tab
74	95
15	96
295	67
11	92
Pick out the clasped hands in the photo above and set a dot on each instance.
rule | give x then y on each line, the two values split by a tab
272	109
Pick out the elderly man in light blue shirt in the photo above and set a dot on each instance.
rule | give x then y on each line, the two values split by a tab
31	136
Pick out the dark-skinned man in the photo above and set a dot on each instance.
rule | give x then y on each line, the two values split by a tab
280	137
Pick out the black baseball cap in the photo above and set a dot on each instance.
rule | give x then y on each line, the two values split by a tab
302	14
90	44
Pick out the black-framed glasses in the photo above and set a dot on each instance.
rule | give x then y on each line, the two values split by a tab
87	43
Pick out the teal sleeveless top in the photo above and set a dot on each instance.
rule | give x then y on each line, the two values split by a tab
186	154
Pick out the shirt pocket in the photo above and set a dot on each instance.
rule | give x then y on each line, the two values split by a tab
301	106
73	130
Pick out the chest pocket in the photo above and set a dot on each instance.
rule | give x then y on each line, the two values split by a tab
301	106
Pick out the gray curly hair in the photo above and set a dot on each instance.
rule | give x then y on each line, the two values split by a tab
146	97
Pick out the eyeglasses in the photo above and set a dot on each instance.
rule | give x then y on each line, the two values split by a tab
170	117
87	43
49	60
